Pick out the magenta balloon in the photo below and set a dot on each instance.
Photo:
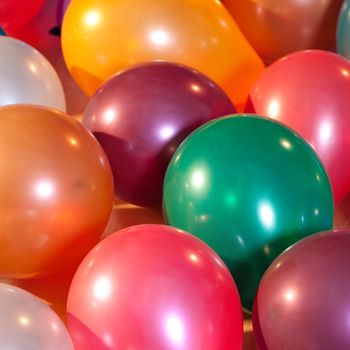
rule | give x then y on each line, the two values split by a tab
303	299
140	117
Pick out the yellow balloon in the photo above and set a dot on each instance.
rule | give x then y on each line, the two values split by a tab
102	37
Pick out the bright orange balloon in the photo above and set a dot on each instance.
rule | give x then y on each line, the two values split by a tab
56	191
276	28
100	38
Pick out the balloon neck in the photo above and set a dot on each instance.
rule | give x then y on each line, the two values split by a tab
56	31
2	32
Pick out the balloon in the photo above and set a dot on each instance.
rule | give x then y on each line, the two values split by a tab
15	13
100	38
26	323
309	91
276	28
249	187
141	115
56	191
343	30
154	287
302	301
61	10
27	77
2	32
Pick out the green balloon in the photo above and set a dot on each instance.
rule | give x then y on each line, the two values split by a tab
343	30
249	187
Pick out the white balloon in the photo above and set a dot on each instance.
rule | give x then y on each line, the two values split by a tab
27	323
26	76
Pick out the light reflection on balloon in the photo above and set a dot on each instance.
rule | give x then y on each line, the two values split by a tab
154	287
309	92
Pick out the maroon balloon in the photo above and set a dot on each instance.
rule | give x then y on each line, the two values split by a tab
141	115
303	299
61	10
154	287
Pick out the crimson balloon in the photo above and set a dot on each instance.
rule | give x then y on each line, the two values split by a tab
309	91
15	13
154	287
303	299
141	115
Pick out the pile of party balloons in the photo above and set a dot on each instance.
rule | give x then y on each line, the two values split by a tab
233	117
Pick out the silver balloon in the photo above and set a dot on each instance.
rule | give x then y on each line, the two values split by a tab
26	76
27	323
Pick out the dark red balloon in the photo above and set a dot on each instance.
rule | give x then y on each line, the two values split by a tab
303	299
140	117
309	91
154	287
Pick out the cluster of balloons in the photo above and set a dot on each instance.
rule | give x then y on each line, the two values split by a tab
165	81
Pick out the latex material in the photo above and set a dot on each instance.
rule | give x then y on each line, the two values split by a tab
249	187
56	191
309	91
26	323
26	76
140	117
61	10
2	32
15	13
343	30
305	292
154	287
99	38
276	28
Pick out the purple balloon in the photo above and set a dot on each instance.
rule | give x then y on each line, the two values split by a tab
303	299
141	115
61	10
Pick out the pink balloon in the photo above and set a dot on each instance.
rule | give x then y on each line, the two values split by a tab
154	287
309	91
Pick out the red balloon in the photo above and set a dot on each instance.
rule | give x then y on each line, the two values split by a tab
303	299
141	115
309	91
15	13
154	287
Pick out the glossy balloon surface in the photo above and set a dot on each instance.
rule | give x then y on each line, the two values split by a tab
277	28
249	187
302	301
154	287
26	76
309	92
27	323
140	117
343	30
56	191
100	38
15	13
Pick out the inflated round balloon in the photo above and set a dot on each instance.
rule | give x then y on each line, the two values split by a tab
249	187
140	117
343	30
302	301
15	13
56	191
99	38
154	287
309	91
276	28
26	76
2	32
27	323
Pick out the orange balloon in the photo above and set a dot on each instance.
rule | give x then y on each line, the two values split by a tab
56	191
276	28
100	38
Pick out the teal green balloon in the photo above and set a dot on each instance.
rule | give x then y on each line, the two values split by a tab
2	32
249	187
343	30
